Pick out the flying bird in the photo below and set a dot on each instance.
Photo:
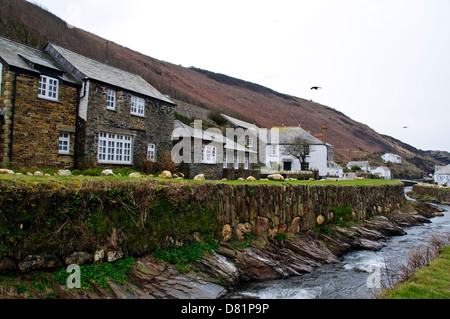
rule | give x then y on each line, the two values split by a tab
405	127
315	88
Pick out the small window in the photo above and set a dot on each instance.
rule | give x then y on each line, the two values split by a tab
273	150
137	106
225	160
209	154
236	163
249	141
64	143
246	161
48	88
151	152
111	100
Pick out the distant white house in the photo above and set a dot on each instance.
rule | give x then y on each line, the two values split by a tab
393	158
442	176
334	170
364	165
381	171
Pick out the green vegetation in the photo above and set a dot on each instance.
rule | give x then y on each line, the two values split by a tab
430	282
99	273
182	256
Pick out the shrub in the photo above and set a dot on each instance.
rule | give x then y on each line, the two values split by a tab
165	162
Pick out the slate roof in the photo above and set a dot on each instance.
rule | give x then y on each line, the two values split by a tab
92	69
288	134
444	171
183	130
358	163
23	56
240	123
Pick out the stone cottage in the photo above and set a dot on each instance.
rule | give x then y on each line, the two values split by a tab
442	175
38	102
210	153
122	119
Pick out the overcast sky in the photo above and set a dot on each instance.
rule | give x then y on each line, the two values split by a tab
383	63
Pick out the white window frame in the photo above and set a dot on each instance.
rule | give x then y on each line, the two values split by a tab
137	106
111	100
48	88
115	148
236	160
249	141
64	143
246	160
151	152
225	159
273	150
209	154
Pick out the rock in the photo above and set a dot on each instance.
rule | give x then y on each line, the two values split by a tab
226	232
107	172
241	179
99	255
294	228
175	176
320	219
29	173
64	172
438	214
242	229
6	265
223	180
79	258
38	173
134	174
251	179
199	177
114	254
181	175
262	227
6	171
49	262
275	177
47	174
166	174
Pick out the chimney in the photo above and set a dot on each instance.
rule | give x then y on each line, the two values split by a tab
324	132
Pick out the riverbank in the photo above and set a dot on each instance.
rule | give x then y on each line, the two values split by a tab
429	282
430	193
231	264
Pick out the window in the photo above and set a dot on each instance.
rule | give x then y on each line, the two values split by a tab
273	150
236	163
209	154
114	148
48	88
249	141
225	162
111	100
151	152
64	143
246	161
137	106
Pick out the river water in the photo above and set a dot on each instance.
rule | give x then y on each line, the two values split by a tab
358	275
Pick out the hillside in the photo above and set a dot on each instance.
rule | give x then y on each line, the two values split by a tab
28	23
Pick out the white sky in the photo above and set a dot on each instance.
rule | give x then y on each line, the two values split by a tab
383	63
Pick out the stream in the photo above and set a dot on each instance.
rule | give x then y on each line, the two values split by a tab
358	274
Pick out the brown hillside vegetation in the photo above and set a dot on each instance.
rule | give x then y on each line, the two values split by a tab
28	23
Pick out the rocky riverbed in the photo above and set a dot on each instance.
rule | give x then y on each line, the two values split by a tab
231	265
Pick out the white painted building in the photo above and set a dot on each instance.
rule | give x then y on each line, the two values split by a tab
381	171
334	170
277	159
393	158
442	176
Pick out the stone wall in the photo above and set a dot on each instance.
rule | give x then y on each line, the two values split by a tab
440	194
268	209
155	128
37	123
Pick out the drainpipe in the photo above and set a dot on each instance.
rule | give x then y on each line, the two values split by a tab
12	118
75	155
